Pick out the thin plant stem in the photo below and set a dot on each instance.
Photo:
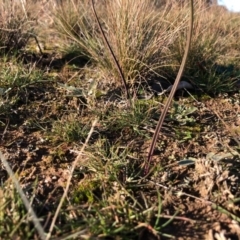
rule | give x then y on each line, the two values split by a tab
174	88
113	55
28	206
69	180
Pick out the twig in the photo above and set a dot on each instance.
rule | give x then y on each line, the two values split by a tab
35	220
5	129
174	88
176	218
36	40
214	206
69	180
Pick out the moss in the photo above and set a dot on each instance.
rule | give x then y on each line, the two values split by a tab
85	192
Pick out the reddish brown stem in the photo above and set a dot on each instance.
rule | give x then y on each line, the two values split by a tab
113	55
180	72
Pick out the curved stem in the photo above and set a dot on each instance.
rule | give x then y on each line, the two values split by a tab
174	88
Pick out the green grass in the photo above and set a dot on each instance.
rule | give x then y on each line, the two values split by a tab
14	219
17	82
69	130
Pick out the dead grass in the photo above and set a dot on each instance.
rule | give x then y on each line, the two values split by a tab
137	37
157	48
16	25
212	47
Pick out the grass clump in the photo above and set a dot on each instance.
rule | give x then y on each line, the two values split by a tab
149	40
16	25
133	29
18	84
70	130
14	220
113	209
15	75
213	62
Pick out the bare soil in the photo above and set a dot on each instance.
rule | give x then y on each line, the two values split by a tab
205	195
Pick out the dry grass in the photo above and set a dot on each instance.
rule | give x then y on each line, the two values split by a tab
137	37
15	25
149	41
213	46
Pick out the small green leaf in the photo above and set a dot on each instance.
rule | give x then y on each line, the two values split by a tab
186	162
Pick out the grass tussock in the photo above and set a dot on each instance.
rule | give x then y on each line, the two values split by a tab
14	220
133	28
149	40
18	85
213	51
16	24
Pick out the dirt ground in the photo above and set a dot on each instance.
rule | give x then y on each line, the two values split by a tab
204	190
